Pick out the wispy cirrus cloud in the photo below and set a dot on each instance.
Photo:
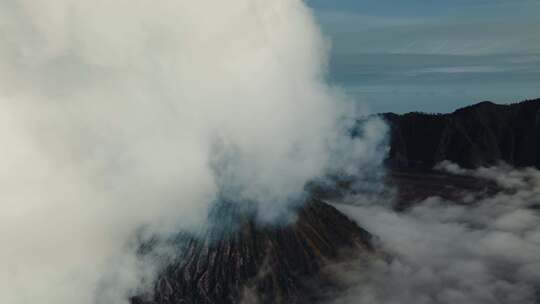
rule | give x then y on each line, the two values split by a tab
472	51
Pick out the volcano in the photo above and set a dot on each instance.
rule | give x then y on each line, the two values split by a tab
239	260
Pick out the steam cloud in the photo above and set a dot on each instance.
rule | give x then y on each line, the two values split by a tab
485	251
124	115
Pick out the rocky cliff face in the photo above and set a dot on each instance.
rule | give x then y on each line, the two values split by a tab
239	261
478	135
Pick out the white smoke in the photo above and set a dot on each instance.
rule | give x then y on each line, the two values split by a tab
123	115
487	251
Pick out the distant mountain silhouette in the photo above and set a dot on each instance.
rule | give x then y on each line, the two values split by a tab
478	135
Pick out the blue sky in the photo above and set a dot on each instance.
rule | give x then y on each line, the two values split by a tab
433	55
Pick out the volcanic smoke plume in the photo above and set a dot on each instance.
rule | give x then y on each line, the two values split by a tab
128	119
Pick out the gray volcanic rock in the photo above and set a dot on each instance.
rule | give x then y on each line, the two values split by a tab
239	260
478	135
414	186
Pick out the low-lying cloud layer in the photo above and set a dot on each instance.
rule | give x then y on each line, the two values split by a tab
486	251
124	116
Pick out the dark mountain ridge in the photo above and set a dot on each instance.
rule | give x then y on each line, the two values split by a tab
478	135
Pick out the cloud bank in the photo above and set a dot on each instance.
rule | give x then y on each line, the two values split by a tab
487	251
122	115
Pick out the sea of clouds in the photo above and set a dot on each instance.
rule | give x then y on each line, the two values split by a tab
483	251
